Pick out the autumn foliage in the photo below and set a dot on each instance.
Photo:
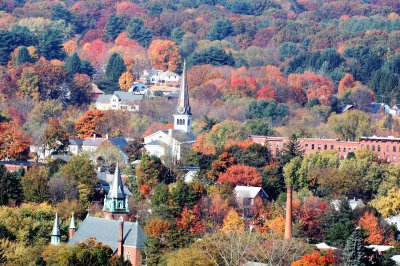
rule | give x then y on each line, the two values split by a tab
164	54
13	142
370	223
189	220
157	227
240	175
315	259
88	124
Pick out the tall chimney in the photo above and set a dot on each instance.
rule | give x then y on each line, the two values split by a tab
94	136
121	238
288	221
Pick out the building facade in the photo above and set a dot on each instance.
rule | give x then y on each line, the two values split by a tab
386	148
172	142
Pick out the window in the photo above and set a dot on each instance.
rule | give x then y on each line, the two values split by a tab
367	147
325	147
306	146
332	147
277	146
124	107
344	149
319	147
373	147
394	158
379	147
339	149
394	148
355	149
387	148
362	147
387	158
128	256
312	146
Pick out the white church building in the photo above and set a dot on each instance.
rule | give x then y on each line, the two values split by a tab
172	142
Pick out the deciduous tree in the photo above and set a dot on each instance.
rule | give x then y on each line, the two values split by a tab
240	175
164	55
88	124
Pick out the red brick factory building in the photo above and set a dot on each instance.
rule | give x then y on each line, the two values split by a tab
387	148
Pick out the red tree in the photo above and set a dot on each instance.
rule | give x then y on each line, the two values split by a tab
266	93
240	175
370	223
189	220
89	123
315	259
13	142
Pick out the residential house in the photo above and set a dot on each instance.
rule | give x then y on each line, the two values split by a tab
346	107
156	91
90	145
138	88
396	110
13	166
354	204
120	100
246	196
159	77
380	108
172	142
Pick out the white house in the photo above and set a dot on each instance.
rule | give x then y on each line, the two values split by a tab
354	204
159	77
120	100
172	142
246	195
138	88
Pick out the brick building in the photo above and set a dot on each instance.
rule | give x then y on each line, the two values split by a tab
387	148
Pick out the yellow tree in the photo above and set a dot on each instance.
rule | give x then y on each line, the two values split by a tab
232	222
126	80
389	204
164	55
70	47
28	84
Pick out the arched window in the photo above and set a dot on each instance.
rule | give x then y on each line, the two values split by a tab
120	206
373	147
379	147
394	148
128	256
387	148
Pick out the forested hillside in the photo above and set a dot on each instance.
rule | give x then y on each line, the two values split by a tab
292	68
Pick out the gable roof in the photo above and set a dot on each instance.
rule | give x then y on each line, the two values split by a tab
107	231
104	98
93	142
119	142
127	96
247	191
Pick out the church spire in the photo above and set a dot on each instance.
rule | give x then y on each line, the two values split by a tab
183	113
116	202
183	103
55	233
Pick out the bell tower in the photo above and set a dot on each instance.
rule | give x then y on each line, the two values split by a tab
183	114
116	202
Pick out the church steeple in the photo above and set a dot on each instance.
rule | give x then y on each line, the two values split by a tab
55	233
183	113
116	202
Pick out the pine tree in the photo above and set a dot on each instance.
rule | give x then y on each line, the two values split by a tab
353	252
291	149
22	56
114	27
50	44
115	67
153	250
73	64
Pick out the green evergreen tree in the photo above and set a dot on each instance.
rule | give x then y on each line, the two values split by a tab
22	36
291	149
353	253
59	12
138	32
86	68
114	27
73	64
183	195
50	44
160	196
177	35
22	56
213	56
7	45
15	193
153	250
220	29
115	67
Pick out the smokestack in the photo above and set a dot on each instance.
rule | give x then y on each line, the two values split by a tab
94	136
288	221
121	238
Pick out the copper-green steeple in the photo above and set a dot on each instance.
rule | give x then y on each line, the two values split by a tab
116	201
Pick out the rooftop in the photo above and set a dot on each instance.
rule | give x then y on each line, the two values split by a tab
107	231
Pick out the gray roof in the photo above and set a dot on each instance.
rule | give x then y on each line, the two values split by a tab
106	231
116	187
56	227
77	142
93	142
180	135
119	142
105	98
105	180
127	96
155	142
248	192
